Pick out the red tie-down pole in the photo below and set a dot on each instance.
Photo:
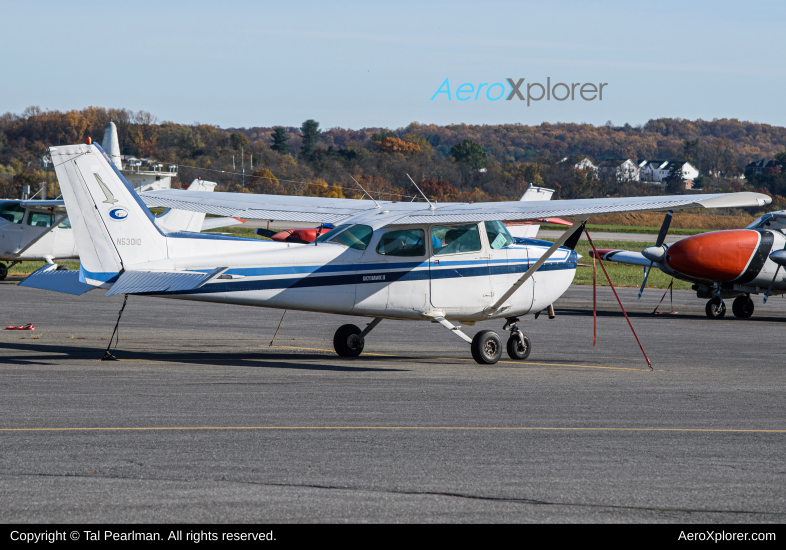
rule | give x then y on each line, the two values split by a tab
594	304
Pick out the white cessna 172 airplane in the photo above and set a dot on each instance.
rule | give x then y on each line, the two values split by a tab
408	261
39	230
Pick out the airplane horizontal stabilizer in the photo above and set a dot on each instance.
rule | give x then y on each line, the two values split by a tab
623	257
48	278
141	282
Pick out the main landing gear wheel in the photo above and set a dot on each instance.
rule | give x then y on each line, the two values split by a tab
519	350
742	307
346	341
3	271
715	308
486	347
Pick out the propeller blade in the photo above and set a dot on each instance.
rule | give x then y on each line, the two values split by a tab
644	282
664	228
769	288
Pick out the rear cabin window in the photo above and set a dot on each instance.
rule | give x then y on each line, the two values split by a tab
407	242
498	235
454	239
38	219
12	211
357	237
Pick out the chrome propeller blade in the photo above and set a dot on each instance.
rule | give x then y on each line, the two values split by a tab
664	228
644	282
769	288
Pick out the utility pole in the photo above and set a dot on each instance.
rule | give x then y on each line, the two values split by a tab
243	165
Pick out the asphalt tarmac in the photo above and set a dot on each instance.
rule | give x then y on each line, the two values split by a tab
202	421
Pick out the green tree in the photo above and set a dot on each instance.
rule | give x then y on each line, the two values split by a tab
690	149
469	152
675	181
237	141
280	140
310	133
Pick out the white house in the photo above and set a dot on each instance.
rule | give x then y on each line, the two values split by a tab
585	164
658	170
622	169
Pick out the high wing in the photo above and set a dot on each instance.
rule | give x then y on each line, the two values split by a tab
324	210
56	205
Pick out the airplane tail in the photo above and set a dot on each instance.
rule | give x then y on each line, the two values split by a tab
112	226
530	230
185	220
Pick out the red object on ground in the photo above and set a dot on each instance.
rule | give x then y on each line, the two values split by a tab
28	326
299	235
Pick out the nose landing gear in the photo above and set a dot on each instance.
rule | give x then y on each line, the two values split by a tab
716	308
519	345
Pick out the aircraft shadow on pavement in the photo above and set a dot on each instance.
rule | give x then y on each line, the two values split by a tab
45	354
680	315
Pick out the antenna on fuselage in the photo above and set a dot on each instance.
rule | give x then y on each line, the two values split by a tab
430	206
366	192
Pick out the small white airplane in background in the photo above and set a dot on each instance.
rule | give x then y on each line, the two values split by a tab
404	261
39	230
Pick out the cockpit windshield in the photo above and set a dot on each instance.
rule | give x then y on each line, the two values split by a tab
357	237
775	220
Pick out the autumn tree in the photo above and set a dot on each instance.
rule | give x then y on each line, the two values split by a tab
263	181
280	139
396	145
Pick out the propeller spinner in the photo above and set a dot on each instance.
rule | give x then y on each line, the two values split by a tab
657	252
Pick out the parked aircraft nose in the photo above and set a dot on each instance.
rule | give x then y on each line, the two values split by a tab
716	256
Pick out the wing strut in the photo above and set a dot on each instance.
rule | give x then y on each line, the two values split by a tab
578	222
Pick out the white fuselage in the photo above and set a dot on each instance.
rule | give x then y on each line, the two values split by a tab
54	243
333	278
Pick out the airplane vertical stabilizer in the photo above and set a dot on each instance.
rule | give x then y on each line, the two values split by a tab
185	220
111	224
532	193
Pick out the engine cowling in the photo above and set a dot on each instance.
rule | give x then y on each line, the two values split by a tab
716	256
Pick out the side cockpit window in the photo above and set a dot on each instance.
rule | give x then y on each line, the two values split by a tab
12	211
407	242
454	239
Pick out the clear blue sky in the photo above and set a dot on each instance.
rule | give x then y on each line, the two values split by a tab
359	64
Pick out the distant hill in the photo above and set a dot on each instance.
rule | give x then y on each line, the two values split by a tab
508	158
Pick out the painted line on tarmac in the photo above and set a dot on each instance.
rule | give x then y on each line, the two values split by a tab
521	363
395	428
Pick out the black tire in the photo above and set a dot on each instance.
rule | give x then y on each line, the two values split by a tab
61	268
3	271
346	346
486	347
518	350
715	308
742	307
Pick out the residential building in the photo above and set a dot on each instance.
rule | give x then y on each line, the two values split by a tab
622	169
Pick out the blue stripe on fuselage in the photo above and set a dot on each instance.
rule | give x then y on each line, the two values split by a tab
363	274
